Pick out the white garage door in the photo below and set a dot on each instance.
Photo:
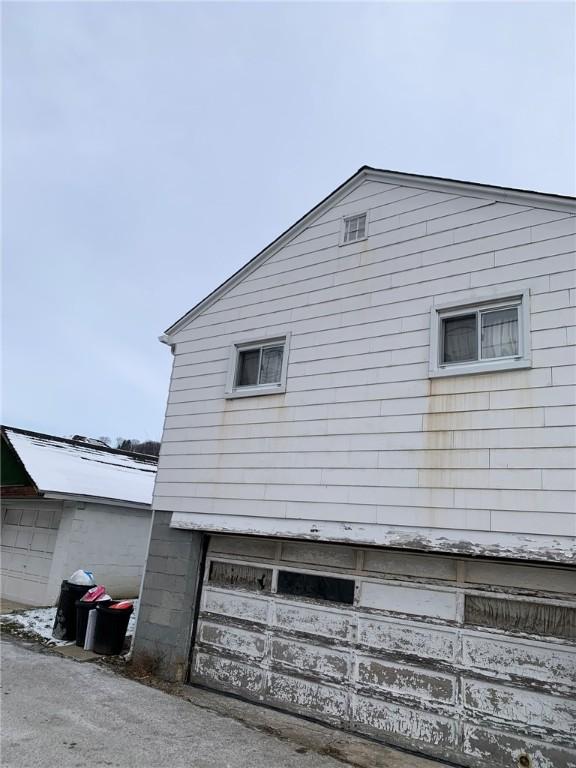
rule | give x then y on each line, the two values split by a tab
29	531
468	660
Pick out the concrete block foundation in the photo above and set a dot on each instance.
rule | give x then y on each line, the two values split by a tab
167	601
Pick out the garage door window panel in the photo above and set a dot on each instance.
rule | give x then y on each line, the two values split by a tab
225	574
316	587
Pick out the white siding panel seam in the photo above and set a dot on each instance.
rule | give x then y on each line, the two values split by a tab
356	310
534	250
427	200
468	423
387	307
381	497
551	260
531	235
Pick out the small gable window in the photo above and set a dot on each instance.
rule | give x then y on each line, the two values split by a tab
355	228
258	367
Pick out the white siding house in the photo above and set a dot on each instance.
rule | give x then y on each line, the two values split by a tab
372	426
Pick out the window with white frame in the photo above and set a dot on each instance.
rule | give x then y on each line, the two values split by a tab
258	367
480	336
355	228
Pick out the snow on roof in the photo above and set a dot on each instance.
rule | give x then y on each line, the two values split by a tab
61	466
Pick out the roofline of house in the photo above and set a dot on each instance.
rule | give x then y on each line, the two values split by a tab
368	173
143	457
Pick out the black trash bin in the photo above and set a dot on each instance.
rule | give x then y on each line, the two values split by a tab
65	621
83	609
110	630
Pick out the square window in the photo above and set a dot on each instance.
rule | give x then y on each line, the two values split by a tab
481	336
355	228
257	368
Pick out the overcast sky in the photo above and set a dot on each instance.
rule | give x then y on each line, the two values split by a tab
150	149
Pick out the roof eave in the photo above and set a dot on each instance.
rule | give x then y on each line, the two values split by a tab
97	500
473	189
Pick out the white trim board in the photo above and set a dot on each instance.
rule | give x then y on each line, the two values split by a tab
526	547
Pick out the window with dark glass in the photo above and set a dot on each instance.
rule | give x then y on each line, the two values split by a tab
460	339
316	587
259	366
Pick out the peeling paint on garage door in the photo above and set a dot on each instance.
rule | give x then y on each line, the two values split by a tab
413	650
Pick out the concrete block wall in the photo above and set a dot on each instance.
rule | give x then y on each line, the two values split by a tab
111	541
167	600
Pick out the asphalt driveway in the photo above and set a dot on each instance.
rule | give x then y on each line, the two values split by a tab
58	712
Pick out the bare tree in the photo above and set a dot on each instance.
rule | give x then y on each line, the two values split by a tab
150	447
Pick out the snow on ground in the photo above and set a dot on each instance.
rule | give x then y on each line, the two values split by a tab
39	621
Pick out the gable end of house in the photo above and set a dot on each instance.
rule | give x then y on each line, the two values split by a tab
365	174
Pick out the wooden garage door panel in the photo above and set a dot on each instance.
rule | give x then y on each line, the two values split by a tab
409	638
520	705
407	680
299	656
554	664
236	604
399	663
422	601
235	640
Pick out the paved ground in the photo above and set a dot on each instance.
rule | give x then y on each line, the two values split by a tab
59	712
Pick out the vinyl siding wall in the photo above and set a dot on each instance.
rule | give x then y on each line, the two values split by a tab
362	436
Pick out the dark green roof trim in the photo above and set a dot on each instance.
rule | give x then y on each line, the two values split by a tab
12	471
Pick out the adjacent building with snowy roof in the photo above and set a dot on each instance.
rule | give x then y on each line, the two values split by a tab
69	504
